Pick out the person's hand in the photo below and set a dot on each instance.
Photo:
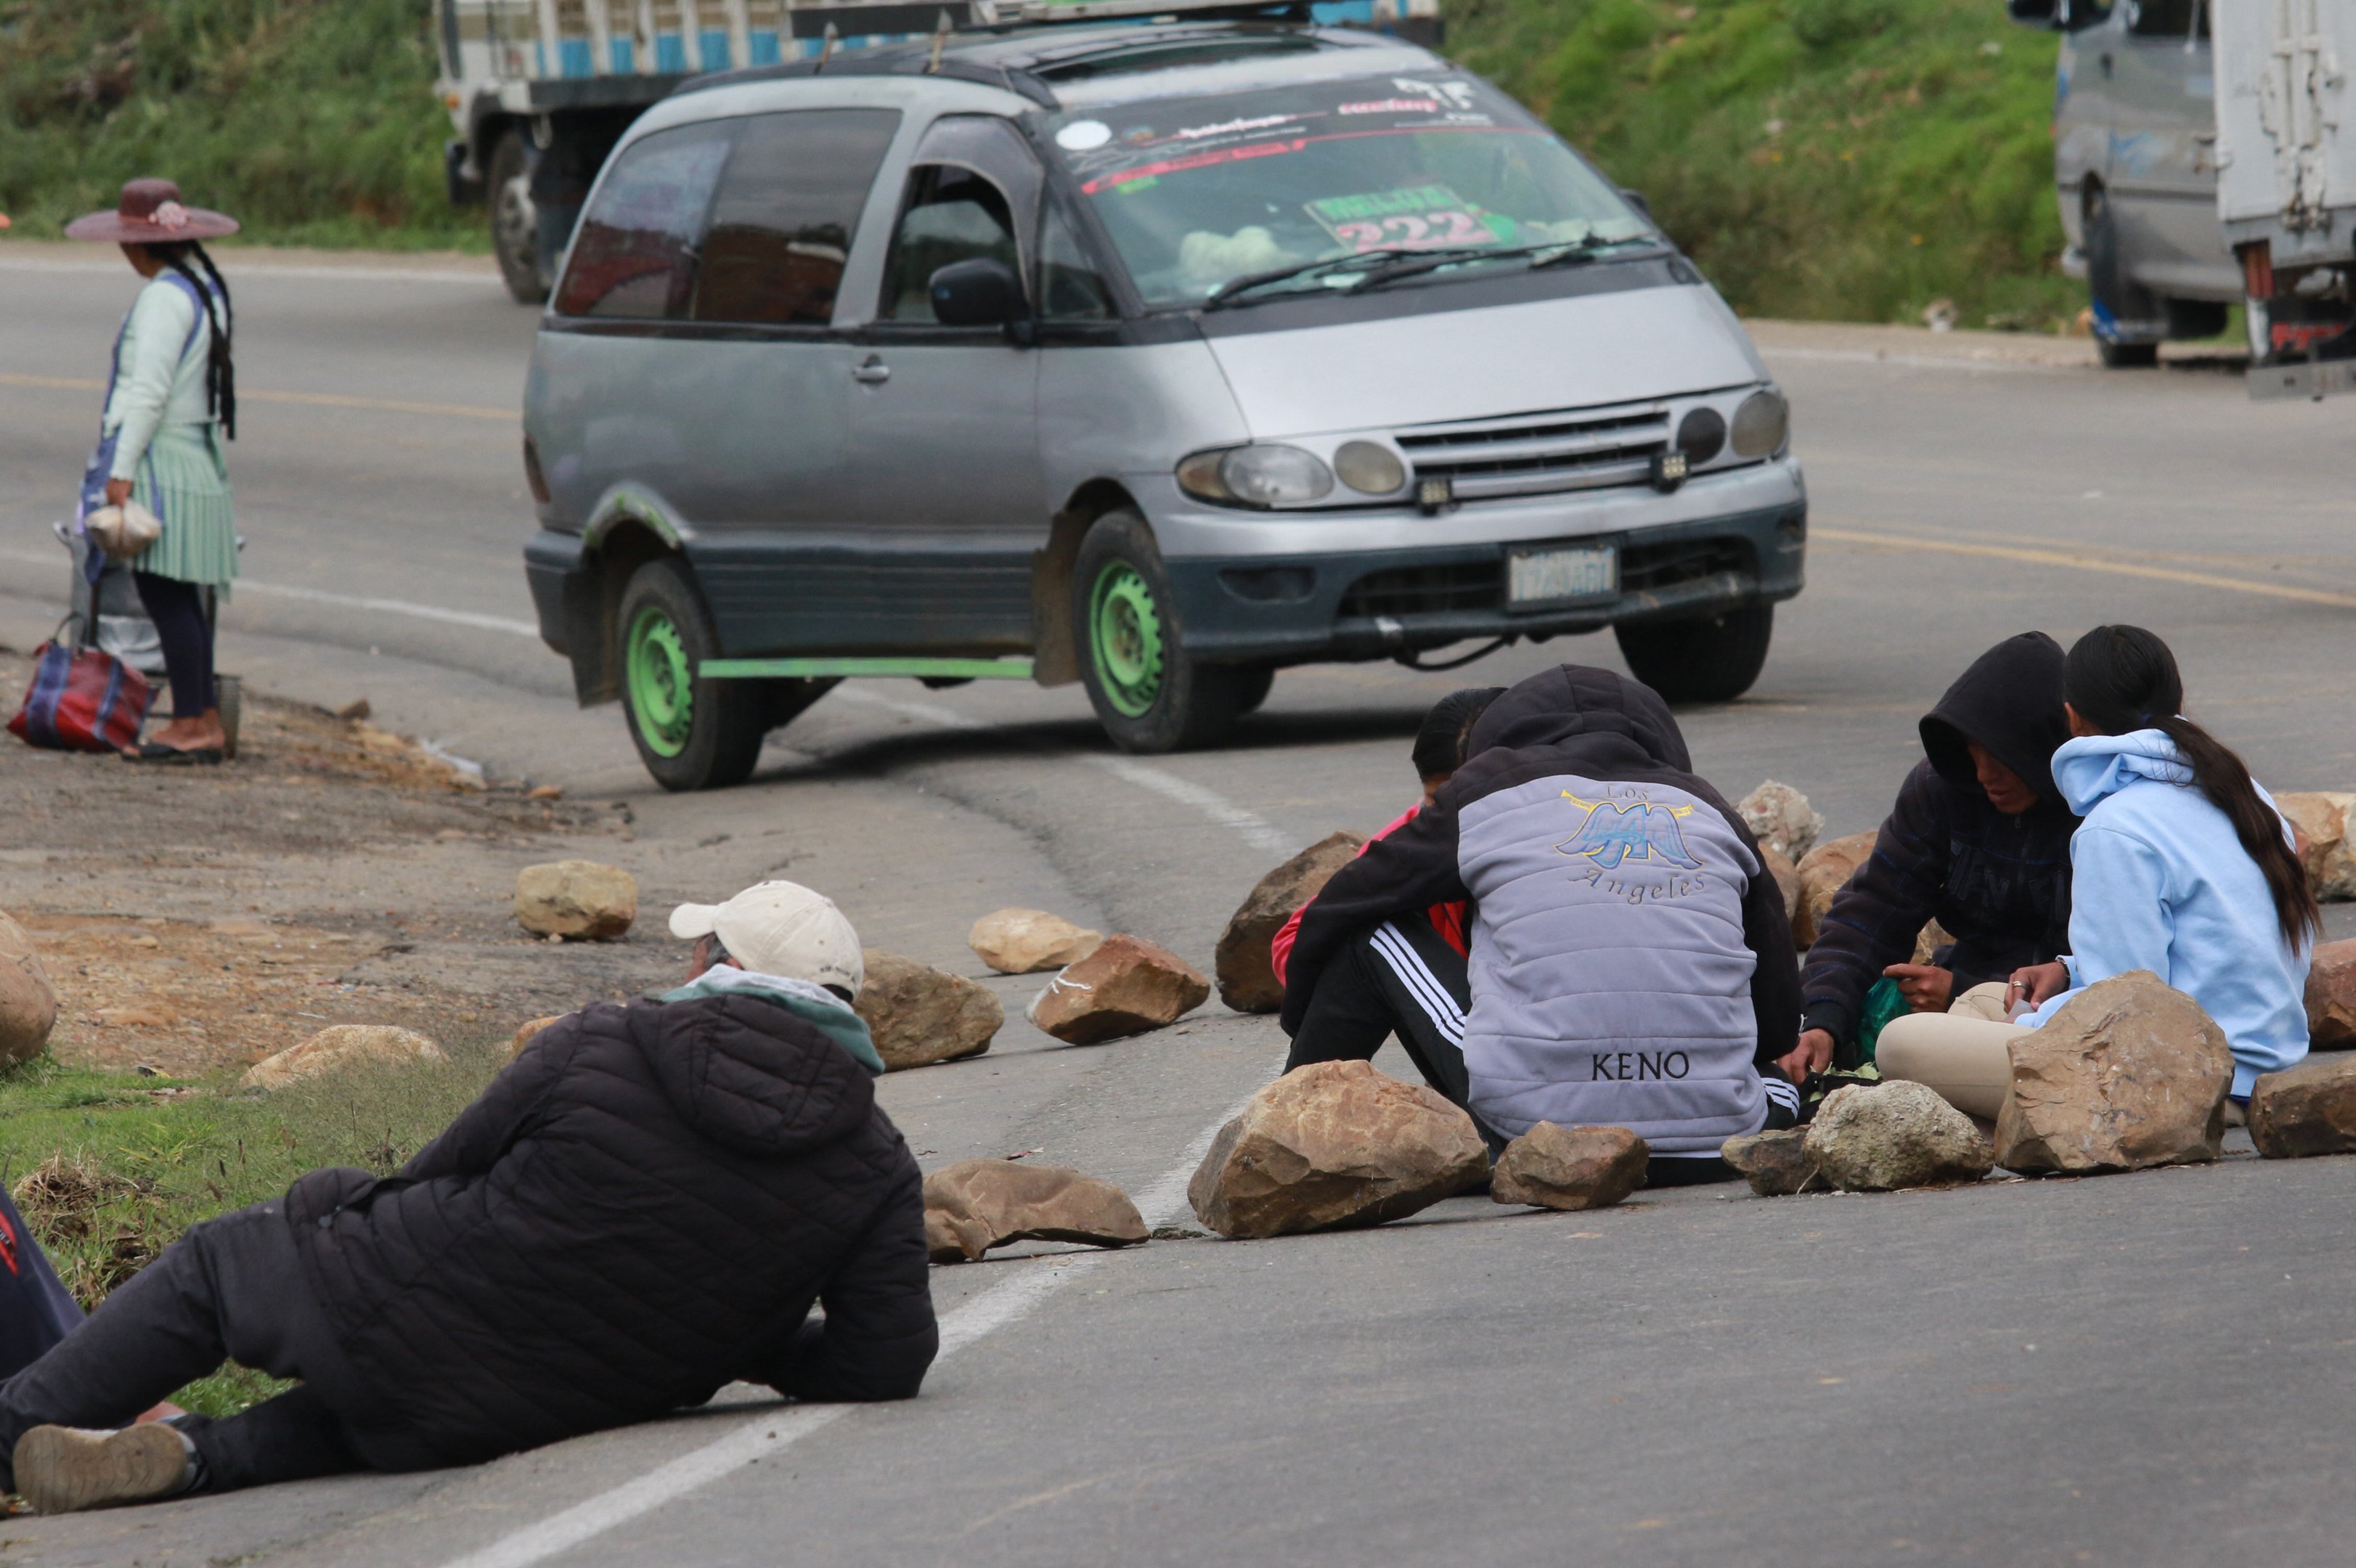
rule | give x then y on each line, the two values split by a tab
117	492
2039	983
1813	1054
1925	986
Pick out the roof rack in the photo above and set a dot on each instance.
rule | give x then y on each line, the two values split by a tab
1046	13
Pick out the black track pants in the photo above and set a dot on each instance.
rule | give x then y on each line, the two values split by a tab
178	609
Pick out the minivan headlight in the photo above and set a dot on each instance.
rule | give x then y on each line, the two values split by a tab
1762	423
1256	476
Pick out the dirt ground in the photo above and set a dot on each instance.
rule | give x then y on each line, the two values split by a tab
195	920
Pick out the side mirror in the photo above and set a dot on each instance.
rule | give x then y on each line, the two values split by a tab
979	292
2036	13
1635	198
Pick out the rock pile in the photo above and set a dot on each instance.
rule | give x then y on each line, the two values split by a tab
338	1048
579	900
2310	1109
1882	1137
1570	1168
2331	996
1029	941
977	1204
1776	1164
1246	979
919	1015
1780	818
1128	986
2129	1075
1824	871
28	1006
2325	831
1333	1146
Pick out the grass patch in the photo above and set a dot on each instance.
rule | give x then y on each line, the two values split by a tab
314	121
1837	159
109	1168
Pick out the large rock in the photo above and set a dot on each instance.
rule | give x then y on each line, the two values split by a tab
1570	1168
1247	980
2331	996
1126	987
340	1047
2309	1109
1928	941
1780	818
28	1006
2325	832
977	1204
1331	1146
579	900
1027	941
1824	871
1878	1138
2129	1075
526	1032
1776	1164
919	1015
1787	878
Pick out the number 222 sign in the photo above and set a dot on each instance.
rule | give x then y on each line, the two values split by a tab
1425	215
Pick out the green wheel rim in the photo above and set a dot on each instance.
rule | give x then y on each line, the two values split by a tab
1125	638
662	683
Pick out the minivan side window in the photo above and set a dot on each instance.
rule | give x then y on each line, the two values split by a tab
787	207
972	191
634	254
2167	18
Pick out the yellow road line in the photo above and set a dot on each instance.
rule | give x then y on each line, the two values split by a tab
2078	562
317	399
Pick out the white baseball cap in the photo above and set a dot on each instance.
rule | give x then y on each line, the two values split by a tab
780	928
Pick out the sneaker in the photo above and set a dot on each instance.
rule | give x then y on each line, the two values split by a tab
64	1469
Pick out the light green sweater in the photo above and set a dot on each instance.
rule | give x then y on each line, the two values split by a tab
165	443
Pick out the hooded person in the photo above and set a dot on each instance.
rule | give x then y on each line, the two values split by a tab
640	1208
1630	961
1979	840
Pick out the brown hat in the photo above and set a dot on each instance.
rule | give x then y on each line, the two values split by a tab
150	214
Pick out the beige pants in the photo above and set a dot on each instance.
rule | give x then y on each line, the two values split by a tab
1960	1054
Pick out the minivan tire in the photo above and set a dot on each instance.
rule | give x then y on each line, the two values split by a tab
515	220
1709	658
691	732
1149	695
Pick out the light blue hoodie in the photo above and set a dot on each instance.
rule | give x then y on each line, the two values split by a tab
2159	881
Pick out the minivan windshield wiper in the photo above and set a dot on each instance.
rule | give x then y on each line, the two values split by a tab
1234	288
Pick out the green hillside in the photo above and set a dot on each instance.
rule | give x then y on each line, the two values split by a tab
1837	158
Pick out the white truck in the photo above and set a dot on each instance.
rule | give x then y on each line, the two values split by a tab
2203	153
539	91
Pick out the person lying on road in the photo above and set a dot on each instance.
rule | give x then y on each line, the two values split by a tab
2182	867
1438	752
639	1210
1980	838
1630	964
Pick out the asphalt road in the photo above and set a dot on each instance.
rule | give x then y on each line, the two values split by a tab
2146	1369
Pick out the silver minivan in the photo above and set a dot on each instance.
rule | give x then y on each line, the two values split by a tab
1156	354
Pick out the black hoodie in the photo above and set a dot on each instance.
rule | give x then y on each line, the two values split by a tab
1999	884
641	1208
1631	964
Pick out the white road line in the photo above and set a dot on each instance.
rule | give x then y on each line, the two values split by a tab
1255	829
1161	1203
507	623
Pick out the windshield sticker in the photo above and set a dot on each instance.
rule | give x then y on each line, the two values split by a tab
1417	218
1393	106
1458	94
1084	135
1234	127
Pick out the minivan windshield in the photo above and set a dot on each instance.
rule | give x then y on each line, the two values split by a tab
1202	193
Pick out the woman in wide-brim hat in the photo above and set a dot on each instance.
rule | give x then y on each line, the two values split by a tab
171	401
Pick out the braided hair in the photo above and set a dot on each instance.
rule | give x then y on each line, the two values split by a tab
220	371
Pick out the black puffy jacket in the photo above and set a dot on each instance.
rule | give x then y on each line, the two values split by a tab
641	1208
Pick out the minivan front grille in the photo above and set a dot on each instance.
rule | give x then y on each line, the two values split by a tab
1538	455
1646	569
1426	589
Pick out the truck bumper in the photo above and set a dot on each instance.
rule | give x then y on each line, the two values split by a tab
1370	604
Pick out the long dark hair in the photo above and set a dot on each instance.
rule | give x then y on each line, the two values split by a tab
220	371
2120	678
1447	728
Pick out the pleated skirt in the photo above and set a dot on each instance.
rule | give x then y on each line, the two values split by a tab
184	480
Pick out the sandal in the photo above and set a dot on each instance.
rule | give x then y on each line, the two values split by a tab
173	756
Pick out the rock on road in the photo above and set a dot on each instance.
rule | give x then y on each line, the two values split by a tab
2135	1369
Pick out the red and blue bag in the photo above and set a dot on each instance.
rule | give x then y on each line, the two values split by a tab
82	699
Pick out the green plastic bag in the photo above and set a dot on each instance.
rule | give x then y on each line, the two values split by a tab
1883	1003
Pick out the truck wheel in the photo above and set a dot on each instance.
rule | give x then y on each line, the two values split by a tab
1712	659
692	733
515	221
1148	694
2115	294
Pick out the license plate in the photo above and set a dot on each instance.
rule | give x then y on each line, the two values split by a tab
1535	578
